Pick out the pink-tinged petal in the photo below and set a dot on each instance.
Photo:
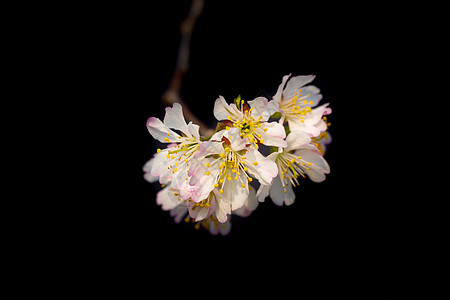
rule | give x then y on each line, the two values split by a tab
222	228
194	130
263	192
161	167
222	110
314	95
161	132
199	213
174	118
223	207
278	194
262	107
273	134
296	140
208	148
278	94
240	194
315	158
319	166
147	168
250	204
294	84
167	199
178	213
202	182
317	113
260	167
295	124
237	143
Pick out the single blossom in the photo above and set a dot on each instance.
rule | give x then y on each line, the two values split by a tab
227	166
297	101
298	159
172	163
252	121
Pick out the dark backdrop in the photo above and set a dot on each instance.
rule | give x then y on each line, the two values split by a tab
242	47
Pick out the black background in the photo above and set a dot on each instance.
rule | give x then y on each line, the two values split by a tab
238	47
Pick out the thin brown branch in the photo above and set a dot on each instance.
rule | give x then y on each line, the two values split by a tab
172	94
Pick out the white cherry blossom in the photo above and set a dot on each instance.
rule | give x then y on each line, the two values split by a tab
298	159
228	166
252	121
298	103
172	163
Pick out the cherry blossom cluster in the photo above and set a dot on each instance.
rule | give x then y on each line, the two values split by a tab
205	180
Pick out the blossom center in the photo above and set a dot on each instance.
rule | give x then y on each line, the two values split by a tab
290	168
297	107
248	124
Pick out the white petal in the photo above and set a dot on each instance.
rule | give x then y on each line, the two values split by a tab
319	166
222	110
178	213
315	158
201	183
174	119
167	199
237	143
147	169
194	130
223	207
265	169
316	114
262	107
263	192
294	84
274	135
277	192
159	131
314	95
279	196
240	194
161	167
208	148
199	213
250	204
296	140
277	96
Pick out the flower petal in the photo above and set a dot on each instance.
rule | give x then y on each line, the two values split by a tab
222	110
147	168
296	140
319	166
161	132
314	95
209	147
194	129
237	143
161	167
278	194
263	107
262	168
263	192
223	207
178	213
240	194
273	134
174	119
167	199
294	84
199	213
250	204
202	182
277	96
